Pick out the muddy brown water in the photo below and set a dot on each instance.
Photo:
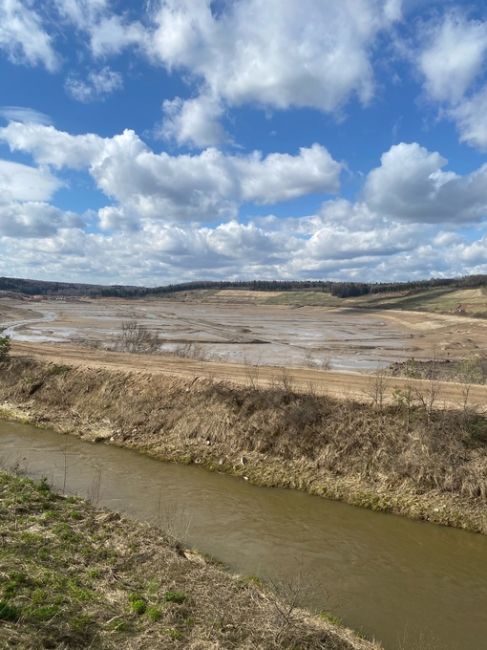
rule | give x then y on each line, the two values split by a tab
408	584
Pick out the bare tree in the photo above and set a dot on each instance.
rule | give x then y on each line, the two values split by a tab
467	378
287	597
252	371
378	389
134	337
427	398
404	399
285	381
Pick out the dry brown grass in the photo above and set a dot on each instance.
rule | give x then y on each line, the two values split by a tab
75	577
406	458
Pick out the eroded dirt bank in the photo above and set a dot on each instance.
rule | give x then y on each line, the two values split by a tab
403	459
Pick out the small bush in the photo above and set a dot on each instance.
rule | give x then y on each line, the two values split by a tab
138	604
174	597
4	348
54	370
43	486
135	338
8	612
154	614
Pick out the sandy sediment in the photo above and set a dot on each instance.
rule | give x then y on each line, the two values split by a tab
279	334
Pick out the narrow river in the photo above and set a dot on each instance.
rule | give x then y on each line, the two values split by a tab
410	585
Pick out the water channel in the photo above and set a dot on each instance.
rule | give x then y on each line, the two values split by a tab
408	584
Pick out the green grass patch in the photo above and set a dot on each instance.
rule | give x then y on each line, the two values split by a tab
175	597
9	612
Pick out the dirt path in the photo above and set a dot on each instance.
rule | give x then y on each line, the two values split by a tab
339	384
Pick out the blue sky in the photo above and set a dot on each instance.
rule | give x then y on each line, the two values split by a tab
172	140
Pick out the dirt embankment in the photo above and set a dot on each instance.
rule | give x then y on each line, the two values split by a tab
404	459
346	385
76	577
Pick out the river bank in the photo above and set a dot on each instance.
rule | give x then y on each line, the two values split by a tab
428	583
75	577
424	464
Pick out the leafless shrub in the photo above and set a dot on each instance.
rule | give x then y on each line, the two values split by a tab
284	381
427	397
173	520
191	350
311	361
252	372
378	388
402	396
287	597
467	374
311	389
134	338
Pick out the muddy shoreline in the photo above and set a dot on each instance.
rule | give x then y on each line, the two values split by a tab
273	437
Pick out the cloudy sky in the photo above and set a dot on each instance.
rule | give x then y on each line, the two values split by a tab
169	140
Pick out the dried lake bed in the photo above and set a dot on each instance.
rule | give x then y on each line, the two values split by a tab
255	334
276	335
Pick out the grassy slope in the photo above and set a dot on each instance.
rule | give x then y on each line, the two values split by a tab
403	459
295	298
75	577
305	298
443	300
471	302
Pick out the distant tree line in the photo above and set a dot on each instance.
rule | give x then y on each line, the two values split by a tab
339	289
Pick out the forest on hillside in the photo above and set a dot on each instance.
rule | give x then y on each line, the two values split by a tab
339	289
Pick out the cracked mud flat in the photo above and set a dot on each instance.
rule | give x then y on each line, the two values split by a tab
277	335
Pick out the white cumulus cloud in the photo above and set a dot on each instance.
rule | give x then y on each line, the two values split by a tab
453	56
97	85
193	122
49	146
452	60
471	118
23	36
205	186
410	184
32	219
278	53
20	182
